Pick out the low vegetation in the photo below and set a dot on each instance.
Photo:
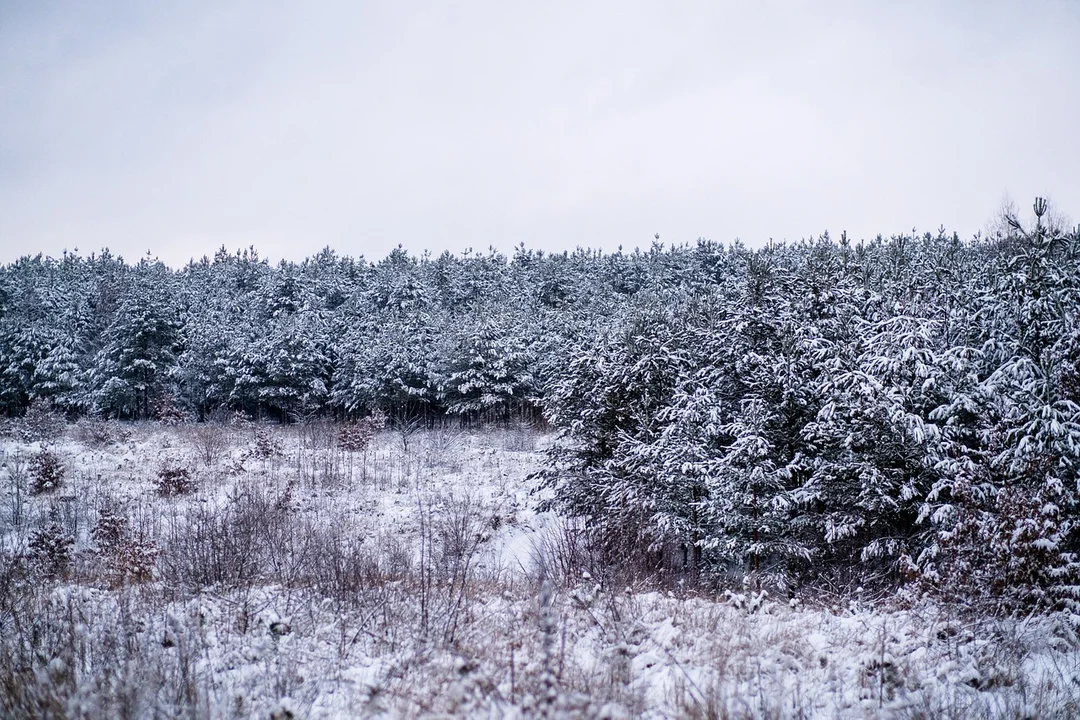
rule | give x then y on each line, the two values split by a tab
323	581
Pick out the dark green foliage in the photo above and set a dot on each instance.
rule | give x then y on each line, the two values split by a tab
903	407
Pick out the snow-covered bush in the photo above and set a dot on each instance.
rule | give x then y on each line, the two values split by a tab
167	411
173	479
46	472
97	432
41	422
264	445
127	555
356	435
51	550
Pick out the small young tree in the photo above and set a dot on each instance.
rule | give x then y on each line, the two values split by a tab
46	472
51	550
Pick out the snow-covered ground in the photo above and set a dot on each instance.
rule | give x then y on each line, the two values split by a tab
303	580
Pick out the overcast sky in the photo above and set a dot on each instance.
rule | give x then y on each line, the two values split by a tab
179	128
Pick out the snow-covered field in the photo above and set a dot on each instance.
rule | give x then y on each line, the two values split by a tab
299	579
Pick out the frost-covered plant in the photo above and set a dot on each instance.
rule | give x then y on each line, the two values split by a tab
521	437
265	446
1006	503
210	442
110	531
487	367
97	432
46	472
50	549
357	435
41	422
168	412
442	447
549	687
128	556
174	479
255	531
16	467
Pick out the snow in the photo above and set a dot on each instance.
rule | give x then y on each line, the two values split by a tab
434	637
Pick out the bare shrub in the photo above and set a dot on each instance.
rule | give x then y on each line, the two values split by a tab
521	437
461	527
318	435
97	432
127	555
442	447
13	583
549	688
451	530
407	428
210	442
50	549
566	551
174	479
344	567
41	422
46	472
253	535
319	460
210	548
17	474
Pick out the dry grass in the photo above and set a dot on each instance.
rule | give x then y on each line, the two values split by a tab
321	587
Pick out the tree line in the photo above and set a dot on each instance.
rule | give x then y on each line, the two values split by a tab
908	407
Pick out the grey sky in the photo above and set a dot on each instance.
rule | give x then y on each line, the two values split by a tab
182	127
